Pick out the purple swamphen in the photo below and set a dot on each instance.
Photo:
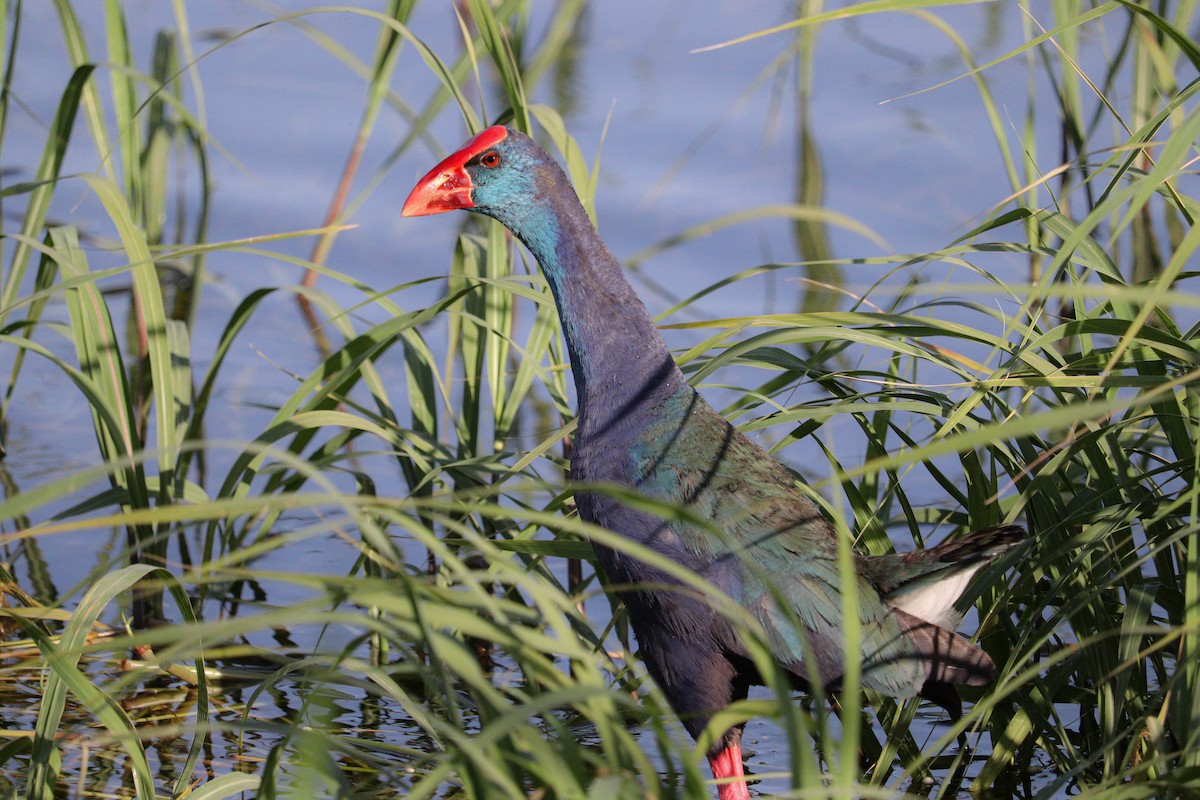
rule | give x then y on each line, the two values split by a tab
641	425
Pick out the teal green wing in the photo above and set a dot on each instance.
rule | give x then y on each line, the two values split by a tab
771	550
796	595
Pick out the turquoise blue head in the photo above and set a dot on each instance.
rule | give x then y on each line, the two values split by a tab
498	173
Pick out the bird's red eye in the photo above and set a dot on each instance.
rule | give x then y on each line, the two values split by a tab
491	159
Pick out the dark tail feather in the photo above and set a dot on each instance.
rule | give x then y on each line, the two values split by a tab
974	547
950	661
949	657
931	580
895	570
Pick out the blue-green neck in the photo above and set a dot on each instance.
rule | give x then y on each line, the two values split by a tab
619	360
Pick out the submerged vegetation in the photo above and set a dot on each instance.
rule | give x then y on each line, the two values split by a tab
1042	368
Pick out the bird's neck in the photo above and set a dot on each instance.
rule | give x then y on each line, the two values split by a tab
619	360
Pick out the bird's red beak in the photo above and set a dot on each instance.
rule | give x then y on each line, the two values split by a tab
447	186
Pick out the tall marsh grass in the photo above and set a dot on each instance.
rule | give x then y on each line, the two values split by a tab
452	657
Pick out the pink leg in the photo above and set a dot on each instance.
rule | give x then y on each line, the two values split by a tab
728	764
